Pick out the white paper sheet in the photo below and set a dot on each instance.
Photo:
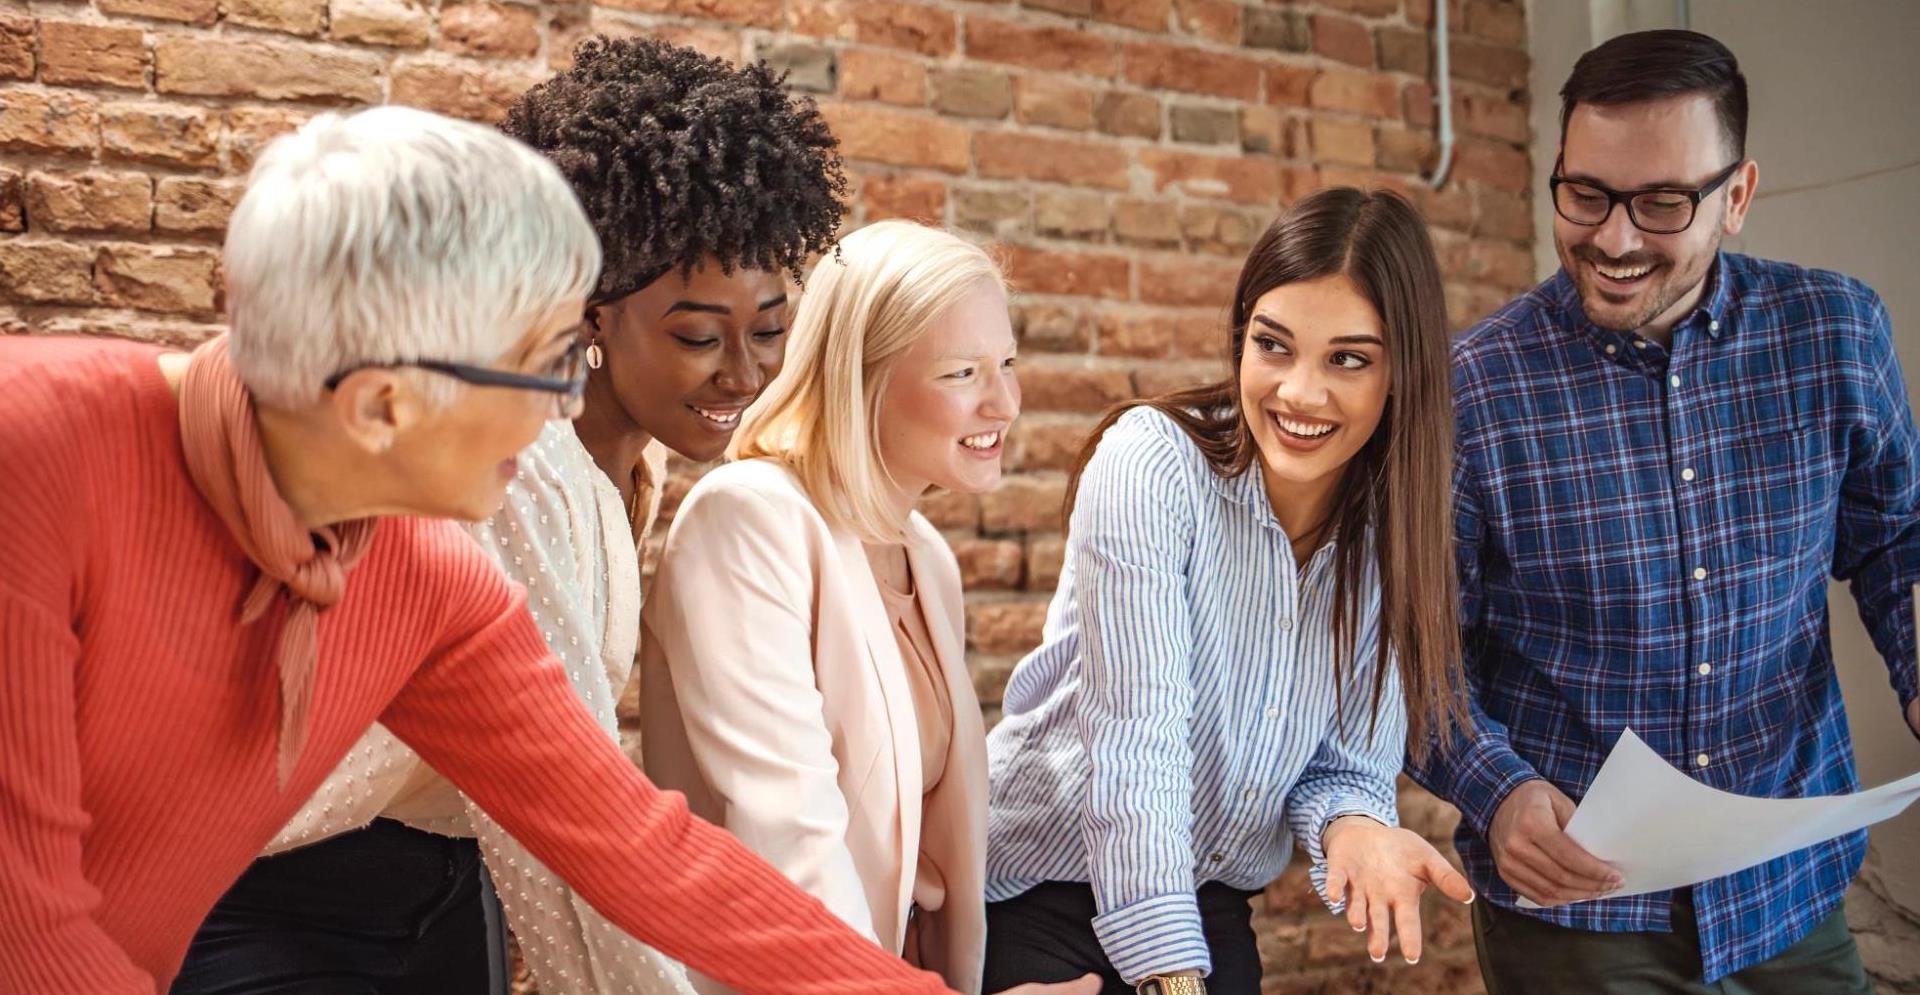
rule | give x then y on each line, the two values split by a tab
1662	829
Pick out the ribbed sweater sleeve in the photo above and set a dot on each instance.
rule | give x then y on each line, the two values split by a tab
494	713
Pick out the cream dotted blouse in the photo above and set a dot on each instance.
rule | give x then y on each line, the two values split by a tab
564	535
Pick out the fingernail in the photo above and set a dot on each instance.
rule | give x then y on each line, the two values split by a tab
1359	929
1471	897
1382	959
1413	960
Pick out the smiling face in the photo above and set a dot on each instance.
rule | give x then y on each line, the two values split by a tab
1629	279
1313	383
949	399
686	354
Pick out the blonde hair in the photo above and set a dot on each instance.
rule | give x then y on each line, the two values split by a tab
866	303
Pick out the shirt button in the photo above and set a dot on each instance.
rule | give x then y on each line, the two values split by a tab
1674	380
1701	760
1252	793
1639	343
1217	856
1273	711
1714	325
1611	349
1705	669
1286	625
1699	573
1686	474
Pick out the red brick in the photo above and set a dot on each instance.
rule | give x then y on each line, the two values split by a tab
990	673
298	17
200	12
1263	130
1075	274
1493	163
477	93
1202	336
1140	15
1008	627
1074	214
1045	556
1071	8
1079	386
1214	20
249	129
1343	39
1494	65
1136	335
96	202
16	48
398	23
1403	150
1051	328
168	134
1365	8
1165	66
92	55
13	201
950	510
1343	142
715	43
1165	378
1131	115
1023	504
1420	108
988	564
191	206
1501	23
975	93
1502	264
866	74
1151	223
747	13
897	138
1501	115
1504	214
1356	92
227	67
1188	281
48	122
1290	85
998	211
45	273
490	30
1241	178
911	197
1297	182
1053	103
1403	50
157	278
1040	47
927	30
1047	442
1011	155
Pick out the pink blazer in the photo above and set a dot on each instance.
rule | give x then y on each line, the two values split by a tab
774	696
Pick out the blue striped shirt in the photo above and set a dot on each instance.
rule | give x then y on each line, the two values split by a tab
1645	538
1178	723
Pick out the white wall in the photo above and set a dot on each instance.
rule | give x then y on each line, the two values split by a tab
1835	131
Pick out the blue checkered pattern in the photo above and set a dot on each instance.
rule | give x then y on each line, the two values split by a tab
1645	540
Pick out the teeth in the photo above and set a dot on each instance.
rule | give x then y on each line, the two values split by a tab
725	419
1612	273
1302	428
985	440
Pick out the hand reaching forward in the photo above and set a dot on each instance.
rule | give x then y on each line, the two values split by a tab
1381	873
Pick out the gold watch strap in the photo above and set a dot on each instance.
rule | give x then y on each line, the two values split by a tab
1172	985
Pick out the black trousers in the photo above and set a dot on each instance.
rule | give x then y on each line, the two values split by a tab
1521	955
387	910
1046	934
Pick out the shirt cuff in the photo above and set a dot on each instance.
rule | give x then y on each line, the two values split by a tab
1484	775
1157	935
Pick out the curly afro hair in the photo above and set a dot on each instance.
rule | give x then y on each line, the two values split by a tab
679	157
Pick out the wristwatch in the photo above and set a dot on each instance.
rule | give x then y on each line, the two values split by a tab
1172	985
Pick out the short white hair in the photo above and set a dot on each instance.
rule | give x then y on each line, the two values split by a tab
394	234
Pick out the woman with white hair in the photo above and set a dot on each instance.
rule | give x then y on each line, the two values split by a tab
218	571
803	642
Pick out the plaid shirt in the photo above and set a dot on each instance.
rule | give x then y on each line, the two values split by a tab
1645	537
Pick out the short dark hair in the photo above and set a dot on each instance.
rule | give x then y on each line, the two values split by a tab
1651	65
679	157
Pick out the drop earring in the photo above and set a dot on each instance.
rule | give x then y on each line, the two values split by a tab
594	357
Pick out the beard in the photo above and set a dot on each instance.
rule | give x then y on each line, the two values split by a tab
1671	279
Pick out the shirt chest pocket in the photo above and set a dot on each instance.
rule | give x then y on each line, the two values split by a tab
1776	498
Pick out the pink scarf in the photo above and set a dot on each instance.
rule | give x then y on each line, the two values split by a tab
307	567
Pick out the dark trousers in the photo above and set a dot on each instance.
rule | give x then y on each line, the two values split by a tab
1046	934
387	910
1521	955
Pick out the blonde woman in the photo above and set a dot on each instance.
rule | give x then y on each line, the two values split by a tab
803	640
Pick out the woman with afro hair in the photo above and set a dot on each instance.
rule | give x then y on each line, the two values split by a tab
708	186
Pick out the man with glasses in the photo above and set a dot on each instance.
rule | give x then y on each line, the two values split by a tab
1664	451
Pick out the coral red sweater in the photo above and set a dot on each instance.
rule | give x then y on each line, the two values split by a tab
138	721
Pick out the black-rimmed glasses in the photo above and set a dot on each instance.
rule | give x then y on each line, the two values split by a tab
1654	210
566	377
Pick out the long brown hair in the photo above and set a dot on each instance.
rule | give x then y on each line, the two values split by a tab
1400	481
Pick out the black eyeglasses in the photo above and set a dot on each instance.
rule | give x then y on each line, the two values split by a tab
1654	210
566	378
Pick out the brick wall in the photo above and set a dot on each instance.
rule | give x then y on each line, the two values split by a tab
1120	154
